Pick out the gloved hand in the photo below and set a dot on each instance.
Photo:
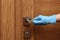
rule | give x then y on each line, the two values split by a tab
40	20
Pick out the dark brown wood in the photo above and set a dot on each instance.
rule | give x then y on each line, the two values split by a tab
28	11
0	19
50	31
19	25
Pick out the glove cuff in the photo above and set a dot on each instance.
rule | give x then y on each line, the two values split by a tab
52	19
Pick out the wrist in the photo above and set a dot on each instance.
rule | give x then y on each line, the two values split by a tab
58	17
52	19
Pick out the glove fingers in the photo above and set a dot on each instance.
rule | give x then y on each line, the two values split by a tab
37	22
38	17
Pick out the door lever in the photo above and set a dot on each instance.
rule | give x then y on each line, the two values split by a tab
26	21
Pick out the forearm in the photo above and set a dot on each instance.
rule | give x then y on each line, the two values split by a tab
58	17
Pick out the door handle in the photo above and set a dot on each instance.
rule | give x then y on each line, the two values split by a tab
27	24
26	21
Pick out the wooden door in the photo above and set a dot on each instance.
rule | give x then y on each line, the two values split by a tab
13	11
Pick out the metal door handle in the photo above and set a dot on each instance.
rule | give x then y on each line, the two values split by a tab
27	23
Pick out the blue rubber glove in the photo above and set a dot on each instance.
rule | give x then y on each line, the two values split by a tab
40	20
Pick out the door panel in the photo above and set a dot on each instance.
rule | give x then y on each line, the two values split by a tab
7	20
19	25
28	11
50	31
0	20
47	7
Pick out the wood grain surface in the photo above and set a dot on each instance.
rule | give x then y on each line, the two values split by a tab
13	11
